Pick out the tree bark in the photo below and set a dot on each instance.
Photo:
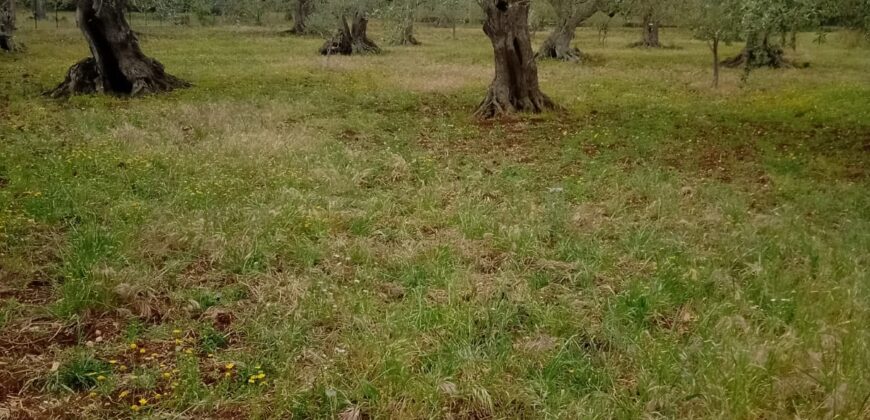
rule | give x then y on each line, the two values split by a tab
38	7
351	39
558	44
405	33
515	86
650	35
7	25
759	52
714	46
301	10
117	64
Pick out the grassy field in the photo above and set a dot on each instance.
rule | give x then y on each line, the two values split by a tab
301	237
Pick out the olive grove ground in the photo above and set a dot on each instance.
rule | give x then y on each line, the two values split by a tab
338	237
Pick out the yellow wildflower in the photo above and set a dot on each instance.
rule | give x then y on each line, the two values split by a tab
123	394
230	366
133	346
134	407
143	401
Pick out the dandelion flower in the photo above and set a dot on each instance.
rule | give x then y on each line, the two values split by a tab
134	407
123	394
101	378
133	346
230	366
143	401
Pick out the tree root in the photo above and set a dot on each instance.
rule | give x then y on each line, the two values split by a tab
496	105
8	44
644	44
573	55
84	78
406	41
341	44
772	57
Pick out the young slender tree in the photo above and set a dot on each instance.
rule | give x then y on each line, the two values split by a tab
515	86
7	25
117	65
569	15
716	22
448	13
38	8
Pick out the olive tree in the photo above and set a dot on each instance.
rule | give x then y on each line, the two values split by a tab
402	14
7	25
117	64
351	38
515	87
715	21
569	15
652	14
300	10
759	21
38	9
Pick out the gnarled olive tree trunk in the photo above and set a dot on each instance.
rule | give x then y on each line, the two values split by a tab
515	86
570	14
759	52
351	39
405	32
301	10
7	25
117	65
650	35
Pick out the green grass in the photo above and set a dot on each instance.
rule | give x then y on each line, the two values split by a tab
342	225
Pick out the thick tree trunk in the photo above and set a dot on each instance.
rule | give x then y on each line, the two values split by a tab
352	39
405	33
38	7
117	65
515	87
300	16
7	25
758	53
650	35
558	44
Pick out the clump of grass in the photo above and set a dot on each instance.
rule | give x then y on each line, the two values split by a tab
80	372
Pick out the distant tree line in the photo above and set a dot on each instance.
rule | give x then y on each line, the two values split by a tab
765	27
